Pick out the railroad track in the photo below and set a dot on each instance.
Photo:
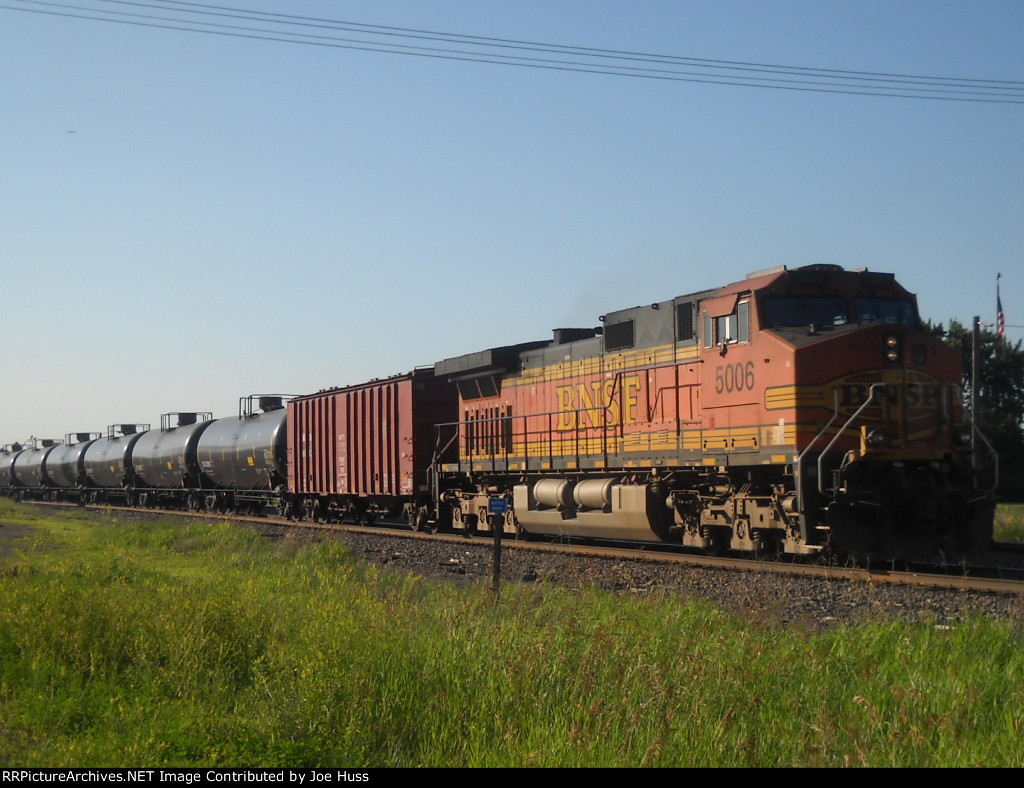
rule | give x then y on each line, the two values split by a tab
993	578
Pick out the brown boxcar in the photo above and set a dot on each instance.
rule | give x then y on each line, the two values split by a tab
366	450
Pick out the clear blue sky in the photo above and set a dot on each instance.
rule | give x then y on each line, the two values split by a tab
190	218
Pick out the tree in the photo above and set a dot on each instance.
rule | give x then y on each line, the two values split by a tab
1000	400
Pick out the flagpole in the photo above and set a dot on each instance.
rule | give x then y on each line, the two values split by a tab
1000	317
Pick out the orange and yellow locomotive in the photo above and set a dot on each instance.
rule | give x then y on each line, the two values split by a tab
791	411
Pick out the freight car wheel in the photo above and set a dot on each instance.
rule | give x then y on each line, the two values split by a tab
418	519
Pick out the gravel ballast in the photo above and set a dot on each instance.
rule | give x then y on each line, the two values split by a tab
767	597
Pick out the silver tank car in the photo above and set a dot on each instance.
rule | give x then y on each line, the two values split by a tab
247	453
108	461
8	454
63	465
167	457
27	469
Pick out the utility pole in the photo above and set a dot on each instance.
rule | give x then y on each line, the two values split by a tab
975	365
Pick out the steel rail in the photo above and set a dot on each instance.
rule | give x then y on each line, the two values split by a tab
955	577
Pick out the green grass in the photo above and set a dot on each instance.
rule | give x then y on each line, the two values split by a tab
1009	525
162	644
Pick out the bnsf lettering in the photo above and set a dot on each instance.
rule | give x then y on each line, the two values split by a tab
853	395
598	403
923	396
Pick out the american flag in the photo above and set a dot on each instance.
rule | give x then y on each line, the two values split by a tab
1000	317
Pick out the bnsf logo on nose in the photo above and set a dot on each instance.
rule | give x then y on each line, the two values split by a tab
912	395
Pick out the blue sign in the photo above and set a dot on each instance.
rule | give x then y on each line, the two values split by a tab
497	506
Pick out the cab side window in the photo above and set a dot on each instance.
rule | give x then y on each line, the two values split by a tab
728	329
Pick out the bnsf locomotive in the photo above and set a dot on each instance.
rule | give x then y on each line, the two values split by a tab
791	412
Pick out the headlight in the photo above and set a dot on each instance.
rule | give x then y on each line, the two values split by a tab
892	348
876	439
962	435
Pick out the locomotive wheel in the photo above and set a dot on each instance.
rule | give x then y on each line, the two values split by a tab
767	544
714	547
445	519
715	541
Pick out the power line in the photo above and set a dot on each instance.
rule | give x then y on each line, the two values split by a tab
724	64
313	31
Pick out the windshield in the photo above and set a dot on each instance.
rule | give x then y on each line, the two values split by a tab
886	310
782	311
